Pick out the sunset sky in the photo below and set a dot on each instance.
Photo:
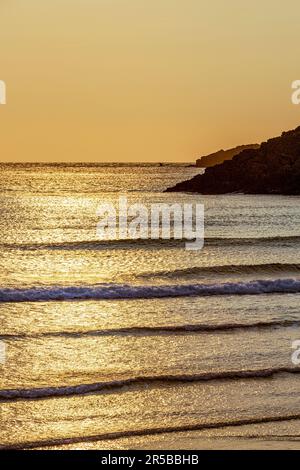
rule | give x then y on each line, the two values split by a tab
144	80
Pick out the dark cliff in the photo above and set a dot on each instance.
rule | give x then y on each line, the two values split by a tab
273	168
222	155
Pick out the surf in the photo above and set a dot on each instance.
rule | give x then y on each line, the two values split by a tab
125	291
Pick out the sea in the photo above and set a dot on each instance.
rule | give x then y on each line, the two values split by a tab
140	344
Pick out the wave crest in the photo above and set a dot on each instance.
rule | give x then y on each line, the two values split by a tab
238	269
83	389
123	291
148	243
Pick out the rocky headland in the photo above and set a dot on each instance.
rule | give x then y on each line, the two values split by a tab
219	157
273	168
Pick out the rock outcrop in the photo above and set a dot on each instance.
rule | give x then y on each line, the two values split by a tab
222	155
273	168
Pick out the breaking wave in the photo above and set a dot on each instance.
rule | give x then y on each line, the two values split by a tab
123	291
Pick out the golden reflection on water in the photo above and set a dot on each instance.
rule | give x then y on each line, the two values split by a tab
63	360
162	406
48	231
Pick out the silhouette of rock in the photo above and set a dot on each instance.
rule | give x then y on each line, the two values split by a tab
273	168
222	155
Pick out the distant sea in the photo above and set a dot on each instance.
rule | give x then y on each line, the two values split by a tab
136	344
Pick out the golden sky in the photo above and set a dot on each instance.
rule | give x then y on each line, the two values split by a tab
144	80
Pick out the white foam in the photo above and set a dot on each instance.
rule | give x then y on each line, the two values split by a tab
123	291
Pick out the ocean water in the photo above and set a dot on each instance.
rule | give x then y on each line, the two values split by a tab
140	344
